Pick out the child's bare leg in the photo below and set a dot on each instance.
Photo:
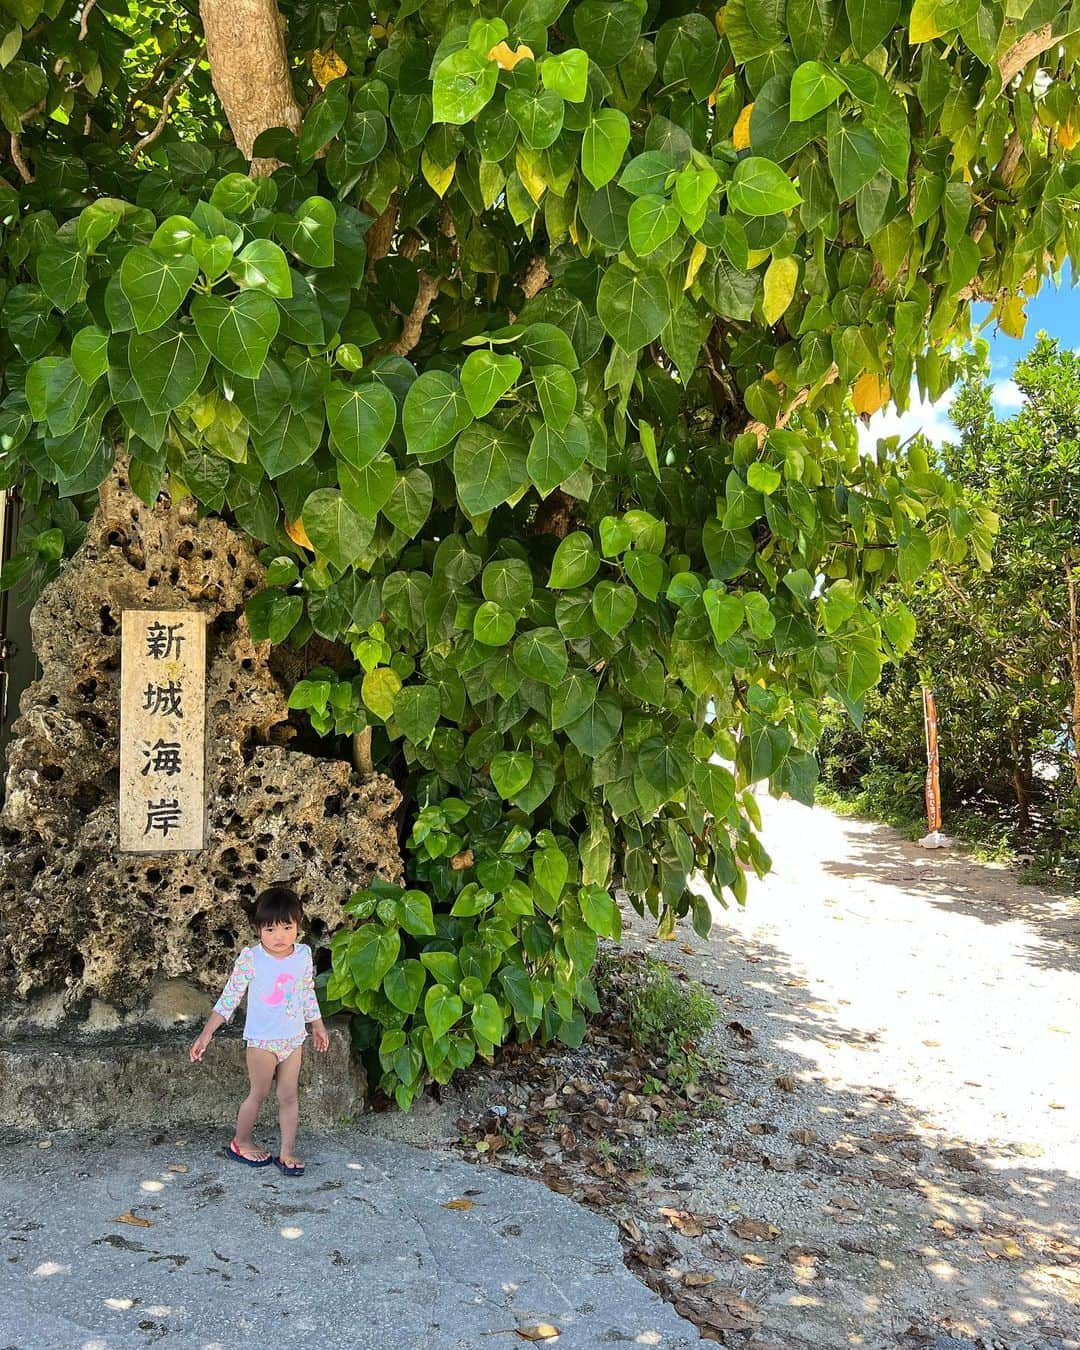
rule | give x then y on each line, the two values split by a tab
260	1065
288	1075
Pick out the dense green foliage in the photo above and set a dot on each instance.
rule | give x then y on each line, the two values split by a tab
995	646
583	539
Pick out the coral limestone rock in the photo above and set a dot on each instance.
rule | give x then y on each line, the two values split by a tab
79	918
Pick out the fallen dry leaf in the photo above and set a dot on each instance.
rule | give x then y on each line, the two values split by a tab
631	1229
134	1219
787	1082
177	1167
737	1028
462	1202
802	1136
698	1277
804	1256
755	1259
688	1224
754	1230
542	1331
998	1248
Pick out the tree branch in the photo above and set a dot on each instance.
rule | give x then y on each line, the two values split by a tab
84	18
361	752
760	430
18	160
1020	53
380	235
152	135
413	326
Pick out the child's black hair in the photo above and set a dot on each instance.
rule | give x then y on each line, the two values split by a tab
277	904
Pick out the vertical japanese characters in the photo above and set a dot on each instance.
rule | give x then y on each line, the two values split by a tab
162	730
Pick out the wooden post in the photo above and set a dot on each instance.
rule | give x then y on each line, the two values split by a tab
933	785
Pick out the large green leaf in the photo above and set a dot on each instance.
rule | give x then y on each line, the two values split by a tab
652	221
261	265
854	156
761	188
576	561
464	83
607	29
813	87
604	144
436	409
309	231
155	286
486	377
556	454
290	440
238	331
489	467
334	527
361	418
168	365
633	306
61	274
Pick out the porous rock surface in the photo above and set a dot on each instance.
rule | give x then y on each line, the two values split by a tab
77	917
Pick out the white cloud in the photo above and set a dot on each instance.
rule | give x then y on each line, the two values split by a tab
1006	396
932	419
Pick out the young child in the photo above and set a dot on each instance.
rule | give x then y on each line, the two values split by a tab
277	975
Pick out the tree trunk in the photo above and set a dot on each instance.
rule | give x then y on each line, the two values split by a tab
249	67
1074	666
1019	786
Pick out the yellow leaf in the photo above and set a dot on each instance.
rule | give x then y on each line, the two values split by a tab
327	66
438	179
922	26
740	136
1011	317
462	1202
755	256
1069	132
529	164
693	267
780	278
869	393
720	21
575	235
296	532
506	59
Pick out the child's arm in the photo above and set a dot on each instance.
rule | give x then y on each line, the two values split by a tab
234	991
312	1013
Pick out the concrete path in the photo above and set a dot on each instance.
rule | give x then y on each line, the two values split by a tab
360	1252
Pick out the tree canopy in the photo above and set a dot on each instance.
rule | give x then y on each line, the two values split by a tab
531	350
1001	648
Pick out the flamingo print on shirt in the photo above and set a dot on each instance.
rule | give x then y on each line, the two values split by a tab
284	992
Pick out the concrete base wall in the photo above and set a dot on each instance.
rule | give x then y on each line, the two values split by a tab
58	1082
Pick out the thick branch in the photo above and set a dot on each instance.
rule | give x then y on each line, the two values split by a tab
414	320
249	68
381	234
361	752
1020	53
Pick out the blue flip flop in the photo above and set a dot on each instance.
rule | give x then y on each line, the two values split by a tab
237	1156
287	1169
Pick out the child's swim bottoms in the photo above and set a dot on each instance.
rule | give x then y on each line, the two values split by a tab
283	1048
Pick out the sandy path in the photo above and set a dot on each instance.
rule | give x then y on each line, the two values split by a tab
928	1008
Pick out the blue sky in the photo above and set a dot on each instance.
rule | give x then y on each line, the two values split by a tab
1055	310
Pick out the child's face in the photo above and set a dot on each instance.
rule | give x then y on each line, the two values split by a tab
279	937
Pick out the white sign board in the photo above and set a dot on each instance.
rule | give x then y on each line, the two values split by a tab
162	730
